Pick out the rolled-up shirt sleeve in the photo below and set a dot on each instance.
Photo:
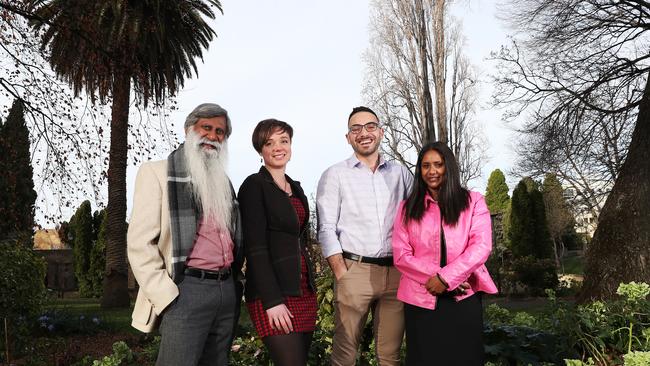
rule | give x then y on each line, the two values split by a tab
328	206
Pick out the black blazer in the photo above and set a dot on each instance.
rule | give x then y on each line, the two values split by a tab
272	239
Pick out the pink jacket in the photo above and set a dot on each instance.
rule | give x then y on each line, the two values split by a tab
416	251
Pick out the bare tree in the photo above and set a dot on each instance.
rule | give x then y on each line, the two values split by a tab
68	134
439	60
587	155
414	51
580	76
559	218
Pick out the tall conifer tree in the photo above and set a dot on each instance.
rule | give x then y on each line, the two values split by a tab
529	233
83	242
521	227
530	240
496	193
17	195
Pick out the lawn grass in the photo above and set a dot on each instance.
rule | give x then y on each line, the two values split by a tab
117	320
530	305
573	265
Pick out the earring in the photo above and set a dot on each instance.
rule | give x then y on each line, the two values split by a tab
261	160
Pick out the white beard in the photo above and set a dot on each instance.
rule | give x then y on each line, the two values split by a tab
209	181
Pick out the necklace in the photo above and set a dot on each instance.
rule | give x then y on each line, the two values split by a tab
285	188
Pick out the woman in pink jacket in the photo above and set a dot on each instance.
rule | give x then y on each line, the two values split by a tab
441	239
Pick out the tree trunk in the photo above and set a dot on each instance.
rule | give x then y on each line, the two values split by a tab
116	293
556	256
7	342
620	249
439	68
427	100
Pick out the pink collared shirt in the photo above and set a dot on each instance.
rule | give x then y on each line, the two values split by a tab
416	251
212	247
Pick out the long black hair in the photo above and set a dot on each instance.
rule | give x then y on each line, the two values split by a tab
452	197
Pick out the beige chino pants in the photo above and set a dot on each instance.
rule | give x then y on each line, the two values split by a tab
364	288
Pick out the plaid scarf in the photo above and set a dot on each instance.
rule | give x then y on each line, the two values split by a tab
184	215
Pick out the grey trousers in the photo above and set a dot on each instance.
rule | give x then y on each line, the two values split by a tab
197	327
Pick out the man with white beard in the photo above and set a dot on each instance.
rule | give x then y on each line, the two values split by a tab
184	245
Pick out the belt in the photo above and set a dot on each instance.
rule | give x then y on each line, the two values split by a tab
383	261
205	274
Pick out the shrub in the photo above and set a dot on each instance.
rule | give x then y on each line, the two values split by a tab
321	348
62	322
536	275
83	241
97	267
520	337
22	289
514	345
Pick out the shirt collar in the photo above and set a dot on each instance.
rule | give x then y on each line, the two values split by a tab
428	200
353	161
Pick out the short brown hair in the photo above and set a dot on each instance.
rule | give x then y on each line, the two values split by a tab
266	128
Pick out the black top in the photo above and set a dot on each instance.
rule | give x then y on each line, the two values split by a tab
272	239
443	248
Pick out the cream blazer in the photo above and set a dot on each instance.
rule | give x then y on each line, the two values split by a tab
149	246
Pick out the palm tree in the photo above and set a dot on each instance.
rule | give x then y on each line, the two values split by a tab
109	48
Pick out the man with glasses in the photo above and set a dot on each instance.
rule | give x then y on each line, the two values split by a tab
356	203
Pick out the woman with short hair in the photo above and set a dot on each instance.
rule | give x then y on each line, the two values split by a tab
280	291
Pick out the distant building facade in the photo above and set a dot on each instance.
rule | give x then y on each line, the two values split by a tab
59	258
586	217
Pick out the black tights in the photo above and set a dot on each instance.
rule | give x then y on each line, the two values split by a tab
289	349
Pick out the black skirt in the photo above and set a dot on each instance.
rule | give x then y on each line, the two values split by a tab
450	335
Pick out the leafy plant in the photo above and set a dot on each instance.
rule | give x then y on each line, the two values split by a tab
121	353
605	331
637	358
589	362
249	350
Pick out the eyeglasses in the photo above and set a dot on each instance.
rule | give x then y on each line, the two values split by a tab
370	127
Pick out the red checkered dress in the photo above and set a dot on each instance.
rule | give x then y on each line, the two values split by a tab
303	308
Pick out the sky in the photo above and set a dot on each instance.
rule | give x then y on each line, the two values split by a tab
302	62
